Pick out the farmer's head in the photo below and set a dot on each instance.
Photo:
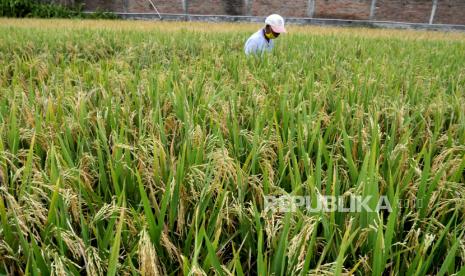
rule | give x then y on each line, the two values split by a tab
274	26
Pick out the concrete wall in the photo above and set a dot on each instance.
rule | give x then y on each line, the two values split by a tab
450	12
343	9
104	5
206	7
415	11
295	8
163	6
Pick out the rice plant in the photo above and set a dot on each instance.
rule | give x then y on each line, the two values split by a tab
140	148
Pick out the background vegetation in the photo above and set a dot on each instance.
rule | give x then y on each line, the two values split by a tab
43	9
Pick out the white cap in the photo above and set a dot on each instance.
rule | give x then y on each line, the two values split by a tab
276	22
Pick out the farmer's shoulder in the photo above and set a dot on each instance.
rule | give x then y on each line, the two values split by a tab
256	37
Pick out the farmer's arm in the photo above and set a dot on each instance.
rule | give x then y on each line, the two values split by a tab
251	47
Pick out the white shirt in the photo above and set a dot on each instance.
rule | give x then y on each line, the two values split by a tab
257	44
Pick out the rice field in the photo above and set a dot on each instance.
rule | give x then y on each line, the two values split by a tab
142	148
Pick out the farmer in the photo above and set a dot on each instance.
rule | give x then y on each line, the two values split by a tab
263	39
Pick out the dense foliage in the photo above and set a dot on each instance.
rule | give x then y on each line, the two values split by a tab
130	147
35	8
